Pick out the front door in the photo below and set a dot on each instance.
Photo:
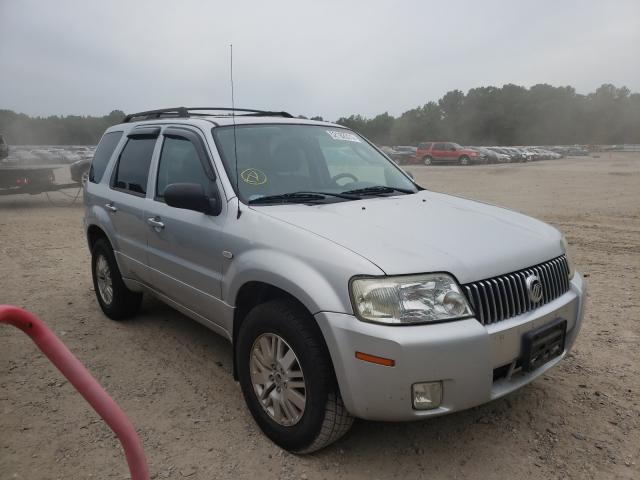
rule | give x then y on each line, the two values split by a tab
185	246
450	153
439	153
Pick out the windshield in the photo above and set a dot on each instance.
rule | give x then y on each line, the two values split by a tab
274	160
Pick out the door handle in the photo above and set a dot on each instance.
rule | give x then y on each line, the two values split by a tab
111	206
155	223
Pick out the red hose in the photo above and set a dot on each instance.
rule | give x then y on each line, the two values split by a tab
82	380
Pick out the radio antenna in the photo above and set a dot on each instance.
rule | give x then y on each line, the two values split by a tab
235	143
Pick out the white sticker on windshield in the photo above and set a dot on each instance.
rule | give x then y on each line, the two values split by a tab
349	137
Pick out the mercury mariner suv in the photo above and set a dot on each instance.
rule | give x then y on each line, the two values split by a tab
346	289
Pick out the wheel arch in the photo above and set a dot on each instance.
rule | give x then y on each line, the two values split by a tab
94	233
253	293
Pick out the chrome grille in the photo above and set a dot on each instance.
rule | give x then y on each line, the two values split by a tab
506	296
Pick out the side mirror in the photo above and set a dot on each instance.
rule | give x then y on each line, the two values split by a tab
190	196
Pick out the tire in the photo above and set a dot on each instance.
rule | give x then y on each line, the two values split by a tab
427	160
115	299
307	426
464	160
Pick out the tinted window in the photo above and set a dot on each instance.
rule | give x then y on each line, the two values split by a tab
102	155
133	166
439	146
179	163
424	146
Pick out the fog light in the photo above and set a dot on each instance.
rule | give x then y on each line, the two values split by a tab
426	395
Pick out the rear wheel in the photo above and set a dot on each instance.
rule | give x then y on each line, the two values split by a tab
115	299
287	378
427	160
464	160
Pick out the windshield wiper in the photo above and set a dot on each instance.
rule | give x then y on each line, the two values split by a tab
298	197
376	190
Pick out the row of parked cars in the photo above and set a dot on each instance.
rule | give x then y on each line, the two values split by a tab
428	153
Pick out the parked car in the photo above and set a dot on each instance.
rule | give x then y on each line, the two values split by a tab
503	155
517	154
80	170
4	148
404	155
492	157
346	289
448	152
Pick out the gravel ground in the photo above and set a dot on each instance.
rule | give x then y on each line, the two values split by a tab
173	377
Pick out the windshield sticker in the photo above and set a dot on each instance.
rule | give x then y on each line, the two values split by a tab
349	137
253	176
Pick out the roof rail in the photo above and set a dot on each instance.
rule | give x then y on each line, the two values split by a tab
186	112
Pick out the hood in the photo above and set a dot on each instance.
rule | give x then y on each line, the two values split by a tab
429	232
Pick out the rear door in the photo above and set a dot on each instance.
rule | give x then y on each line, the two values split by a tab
185	246
438	152
126	202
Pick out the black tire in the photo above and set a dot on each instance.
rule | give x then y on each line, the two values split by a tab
464	160
325	418
427	160
124	302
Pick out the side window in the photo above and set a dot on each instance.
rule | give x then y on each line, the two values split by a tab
103	153
439	146
132	171
179	163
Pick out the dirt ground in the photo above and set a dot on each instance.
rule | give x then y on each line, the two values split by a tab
173	376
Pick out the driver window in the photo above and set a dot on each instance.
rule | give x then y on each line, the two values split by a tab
179	163
346	162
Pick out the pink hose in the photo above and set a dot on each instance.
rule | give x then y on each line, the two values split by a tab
82	380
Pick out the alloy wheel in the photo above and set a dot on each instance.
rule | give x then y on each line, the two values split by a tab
278	380
103	276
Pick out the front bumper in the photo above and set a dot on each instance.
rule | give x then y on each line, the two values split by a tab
462	354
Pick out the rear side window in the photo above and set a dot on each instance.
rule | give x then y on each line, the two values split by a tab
424	146
439	146
132	171
101	158
179	163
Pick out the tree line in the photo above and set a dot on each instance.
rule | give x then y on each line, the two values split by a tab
511	115
21	129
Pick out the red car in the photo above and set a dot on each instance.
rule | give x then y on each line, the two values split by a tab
448	152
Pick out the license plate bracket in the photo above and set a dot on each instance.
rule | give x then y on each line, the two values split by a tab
543	344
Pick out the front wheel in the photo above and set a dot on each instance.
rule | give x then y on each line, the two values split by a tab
464	160
287	378
427	160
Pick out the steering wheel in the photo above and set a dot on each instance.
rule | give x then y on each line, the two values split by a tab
340	176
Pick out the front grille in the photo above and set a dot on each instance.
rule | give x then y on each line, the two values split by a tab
506	296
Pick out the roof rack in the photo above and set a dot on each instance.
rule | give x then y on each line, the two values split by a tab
186	112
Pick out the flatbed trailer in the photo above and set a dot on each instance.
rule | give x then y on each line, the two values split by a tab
30	179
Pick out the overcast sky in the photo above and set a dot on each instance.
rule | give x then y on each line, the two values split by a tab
329	58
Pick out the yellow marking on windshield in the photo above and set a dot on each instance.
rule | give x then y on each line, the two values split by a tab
253	176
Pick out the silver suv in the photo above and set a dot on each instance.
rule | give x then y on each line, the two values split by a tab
346	289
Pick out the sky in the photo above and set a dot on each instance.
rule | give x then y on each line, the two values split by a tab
328	58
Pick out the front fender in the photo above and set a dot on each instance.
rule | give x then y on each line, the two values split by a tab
294	276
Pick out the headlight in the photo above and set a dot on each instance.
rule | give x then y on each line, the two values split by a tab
408	299
565	246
